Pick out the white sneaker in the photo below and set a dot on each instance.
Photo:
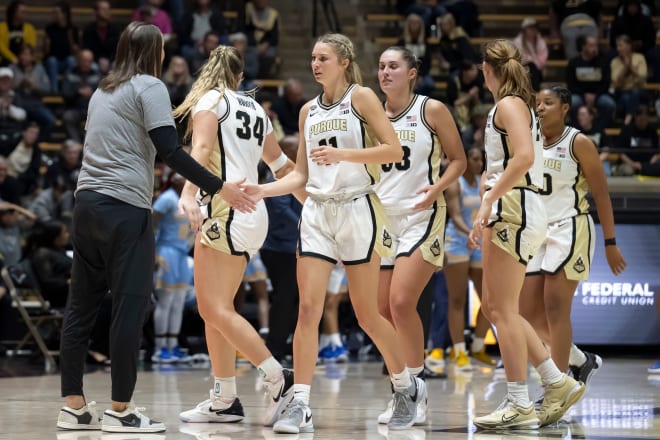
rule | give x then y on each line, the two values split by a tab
205	413
75	419
296	418
406	404
129	420
509	416
279	395
420	416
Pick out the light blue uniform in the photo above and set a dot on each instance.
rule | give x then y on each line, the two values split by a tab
173	242
456	248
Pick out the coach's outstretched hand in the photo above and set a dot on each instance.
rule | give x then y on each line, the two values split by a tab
233	194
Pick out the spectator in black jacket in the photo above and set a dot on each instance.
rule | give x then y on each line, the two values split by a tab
288	106
636	25
46	248
196	23
9	187
588	78
454	44
61	43
67	165
101	36
465	91
640	135
77	88
25	160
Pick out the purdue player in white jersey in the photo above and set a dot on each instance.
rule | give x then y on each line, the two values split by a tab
230	134
412	193
571	169
512	223
342	219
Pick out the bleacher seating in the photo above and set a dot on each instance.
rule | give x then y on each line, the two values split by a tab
502	21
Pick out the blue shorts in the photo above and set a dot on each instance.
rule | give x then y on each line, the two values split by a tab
173	271
255	270
456	250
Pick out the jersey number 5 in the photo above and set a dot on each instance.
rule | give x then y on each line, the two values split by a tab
401	166
245	132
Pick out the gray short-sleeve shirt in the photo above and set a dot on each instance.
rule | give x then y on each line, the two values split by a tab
118	156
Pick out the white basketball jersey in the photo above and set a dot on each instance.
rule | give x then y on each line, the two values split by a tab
242	129
420	166
564	186
499	151
338	125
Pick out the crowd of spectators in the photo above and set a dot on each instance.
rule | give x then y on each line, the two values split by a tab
608	66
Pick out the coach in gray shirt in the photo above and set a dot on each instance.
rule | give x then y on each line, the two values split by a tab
129	121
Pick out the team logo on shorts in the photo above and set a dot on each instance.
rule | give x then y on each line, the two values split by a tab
387	239
579	265
213	232
503	234
435	248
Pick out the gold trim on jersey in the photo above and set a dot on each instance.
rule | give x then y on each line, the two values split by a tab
406	110
425	122
334	104
565	133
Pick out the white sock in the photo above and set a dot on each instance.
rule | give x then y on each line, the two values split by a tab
577	357
301	391
335	339
401	381
161	341
459	347
324	341
172	342
518	393
415	371
549	372
270	370
224	392
478	344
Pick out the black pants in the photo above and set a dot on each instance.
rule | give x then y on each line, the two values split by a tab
283	314
425	308
113	245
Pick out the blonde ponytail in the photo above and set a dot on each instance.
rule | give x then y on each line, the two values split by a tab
222	71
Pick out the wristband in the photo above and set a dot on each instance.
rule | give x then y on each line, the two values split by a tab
278	163
610	241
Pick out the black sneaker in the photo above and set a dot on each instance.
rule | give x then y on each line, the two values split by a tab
129	420
584	372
